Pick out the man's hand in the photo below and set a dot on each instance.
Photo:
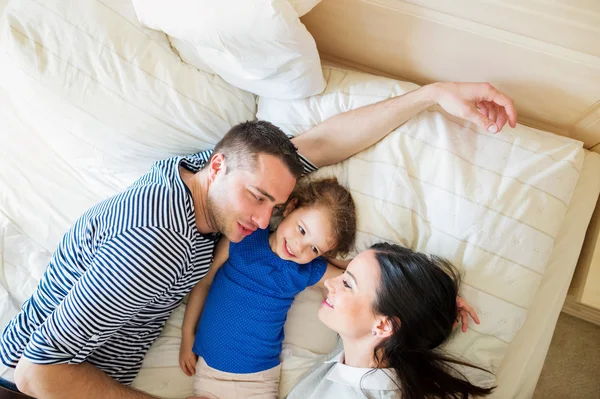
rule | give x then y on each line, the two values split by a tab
345	134
480	103
187	357
464	311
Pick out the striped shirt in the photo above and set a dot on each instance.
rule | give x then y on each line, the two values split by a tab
116	276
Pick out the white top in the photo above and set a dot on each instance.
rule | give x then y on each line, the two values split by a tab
333	379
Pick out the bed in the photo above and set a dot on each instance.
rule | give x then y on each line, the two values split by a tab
85	108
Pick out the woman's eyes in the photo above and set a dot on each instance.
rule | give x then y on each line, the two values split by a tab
315	250
301	230
346	284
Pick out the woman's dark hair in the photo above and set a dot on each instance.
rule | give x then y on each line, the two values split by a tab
418	295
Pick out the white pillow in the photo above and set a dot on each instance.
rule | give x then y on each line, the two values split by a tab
259	46
102	98
491	204
302	7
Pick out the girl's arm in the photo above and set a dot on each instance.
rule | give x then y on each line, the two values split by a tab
194	308
332	271
200	291
339	263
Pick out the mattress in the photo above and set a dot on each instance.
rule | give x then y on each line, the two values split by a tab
22	261
516	377
518	374
24	256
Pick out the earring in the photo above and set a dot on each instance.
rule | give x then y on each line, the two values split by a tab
373	332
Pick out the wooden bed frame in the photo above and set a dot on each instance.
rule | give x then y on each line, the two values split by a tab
545	55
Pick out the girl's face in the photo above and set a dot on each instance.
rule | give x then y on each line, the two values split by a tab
303	234
348	308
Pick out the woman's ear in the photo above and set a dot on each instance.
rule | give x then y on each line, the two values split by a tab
290	206
384	327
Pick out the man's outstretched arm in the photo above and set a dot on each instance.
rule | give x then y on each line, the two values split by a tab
68	381
344	135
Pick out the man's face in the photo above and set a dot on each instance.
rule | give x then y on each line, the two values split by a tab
243	200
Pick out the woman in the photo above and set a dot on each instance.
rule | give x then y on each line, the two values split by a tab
391	308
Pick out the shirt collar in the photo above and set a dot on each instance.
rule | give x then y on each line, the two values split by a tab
379	379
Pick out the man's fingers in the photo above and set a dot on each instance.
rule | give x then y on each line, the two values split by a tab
473	115
493	115
483	108
502	118
493	95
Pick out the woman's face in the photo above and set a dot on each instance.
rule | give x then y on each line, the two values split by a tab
348	308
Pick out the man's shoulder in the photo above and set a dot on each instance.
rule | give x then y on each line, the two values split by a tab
195	162
148	248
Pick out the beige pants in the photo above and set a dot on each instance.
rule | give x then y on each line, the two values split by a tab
215	384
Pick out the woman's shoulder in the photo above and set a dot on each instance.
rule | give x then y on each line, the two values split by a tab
331	379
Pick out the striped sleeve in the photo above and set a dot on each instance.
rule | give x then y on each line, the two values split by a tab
198	160
308	166
127	273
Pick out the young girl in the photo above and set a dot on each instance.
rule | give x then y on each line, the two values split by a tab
234	349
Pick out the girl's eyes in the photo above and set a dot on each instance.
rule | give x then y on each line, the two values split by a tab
301	230
315	250
346	284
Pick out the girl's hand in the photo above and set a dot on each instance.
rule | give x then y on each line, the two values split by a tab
187	357
464	310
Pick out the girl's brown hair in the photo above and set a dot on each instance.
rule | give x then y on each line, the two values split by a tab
337	200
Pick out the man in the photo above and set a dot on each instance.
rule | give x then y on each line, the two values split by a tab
128	261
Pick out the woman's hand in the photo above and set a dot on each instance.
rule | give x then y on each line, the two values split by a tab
187	357
464	311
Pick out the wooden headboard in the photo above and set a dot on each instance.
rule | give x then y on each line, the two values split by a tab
544	53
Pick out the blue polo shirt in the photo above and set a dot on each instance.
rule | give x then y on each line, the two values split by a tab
241	327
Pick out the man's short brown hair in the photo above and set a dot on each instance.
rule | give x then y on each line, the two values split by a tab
244	142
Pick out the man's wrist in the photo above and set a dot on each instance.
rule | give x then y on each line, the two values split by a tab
431	93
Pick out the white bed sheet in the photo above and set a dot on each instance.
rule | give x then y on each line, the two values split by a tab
518	374
520	369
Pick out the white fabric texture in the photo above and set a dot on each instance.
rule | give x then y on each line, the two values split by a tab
3	4
109	98
262	47
89	99
302	7
518	374
491	204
